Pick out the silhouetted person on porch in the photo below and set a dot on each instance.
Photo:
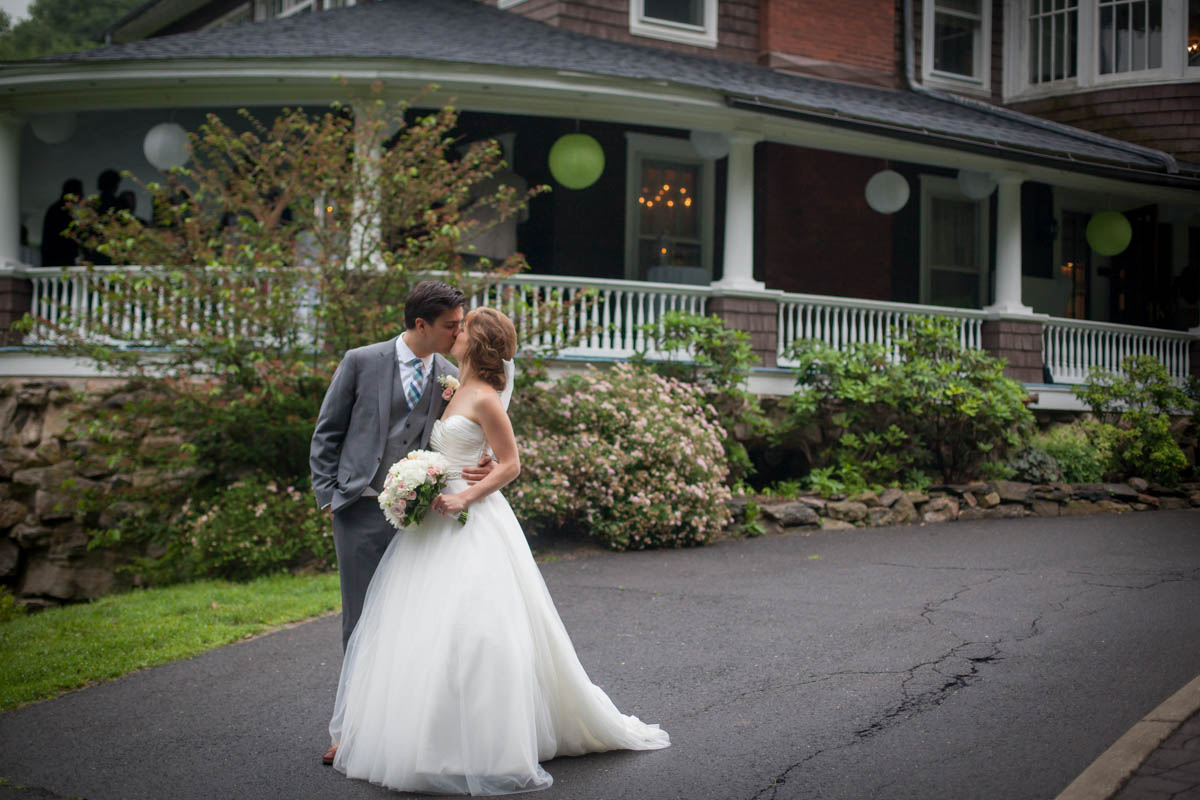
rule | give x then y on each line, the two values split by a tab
57	249
107	202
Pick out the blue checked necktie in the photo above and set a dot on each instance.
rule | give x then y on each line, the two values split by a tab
417	384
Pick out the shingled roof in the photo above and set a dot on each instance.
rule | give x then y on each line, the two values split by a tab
468	32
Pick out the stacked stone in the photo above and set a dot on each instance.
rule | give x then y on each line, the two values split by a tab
44	556
980	500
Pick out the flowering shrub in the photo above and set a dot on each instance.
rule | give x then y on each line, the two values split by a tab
253	527
632	457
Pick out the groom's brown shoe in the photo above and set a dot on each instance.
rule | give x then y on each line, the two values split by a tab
327	759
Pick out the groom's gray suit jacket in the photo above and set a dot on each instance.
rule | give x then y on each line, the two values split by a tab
352	428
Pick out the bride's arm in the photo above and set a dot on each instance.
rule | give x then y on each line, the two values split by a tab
497	428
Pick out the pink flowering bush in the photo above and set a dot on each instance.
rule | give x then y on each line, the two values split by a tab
631	457
255	526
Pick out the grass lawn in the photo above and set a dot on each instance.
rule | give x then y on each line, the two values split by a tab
54	651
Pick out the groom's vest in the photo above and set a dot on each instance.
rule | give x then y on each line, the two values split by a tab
404	427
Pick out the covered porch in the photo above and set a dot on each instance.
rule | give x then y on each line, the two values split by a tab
776	232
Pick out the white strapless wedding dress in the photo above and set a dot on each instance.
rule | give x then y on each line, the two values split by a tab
460	677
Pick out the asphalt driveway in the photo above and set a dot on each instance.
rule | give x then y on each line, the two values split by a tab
973	659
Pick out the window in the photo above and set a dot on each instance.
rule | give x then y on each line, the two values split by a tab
1130	35
669	202
957	43
1193	34
1053	40
953	246
244	13
1068	45
685	21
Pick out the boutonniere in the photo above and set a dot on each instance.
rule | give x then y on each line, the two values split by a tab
449	386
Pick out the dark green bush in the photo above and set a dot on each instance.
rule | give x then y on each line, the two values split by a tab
873	417
1034	464
256	526
1133	412
1080	456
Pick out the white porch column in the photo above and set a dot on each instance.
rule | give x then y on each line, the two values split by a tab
1008	247
739	214
366	231
10	190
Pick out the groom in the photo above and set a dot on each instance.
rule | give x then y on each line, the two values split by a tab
381	403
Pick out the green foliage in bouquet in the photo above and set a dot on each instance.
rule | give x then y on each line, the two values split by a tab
873	416
629	456
1133	419
702	351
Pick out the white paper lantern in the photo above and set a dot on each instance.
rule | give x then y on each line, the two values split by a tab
709	145
975	185
166	146
53	128
887	191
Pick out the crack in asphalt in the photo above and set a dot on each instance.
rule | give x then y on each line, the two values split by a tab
1155	579
954	670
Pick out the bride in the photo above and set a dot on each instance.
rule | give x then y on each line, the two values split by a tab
460	677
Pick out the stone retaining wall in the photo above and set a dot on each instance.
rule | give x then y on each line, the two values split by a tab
44	557
991	500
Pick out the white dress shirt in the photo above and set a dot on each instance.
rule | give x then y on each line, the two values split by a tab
405	356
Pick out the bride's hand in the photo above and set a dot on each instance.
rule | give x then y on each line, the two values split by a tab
449	504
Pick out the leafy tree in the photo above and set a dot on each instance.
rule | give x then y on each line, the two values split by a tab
61	26
283	245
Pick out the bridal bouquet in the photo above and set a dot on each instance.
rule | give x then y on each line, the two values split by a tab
410	486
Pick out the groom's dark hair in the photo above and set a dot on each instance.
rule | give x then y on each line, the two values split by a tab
428	299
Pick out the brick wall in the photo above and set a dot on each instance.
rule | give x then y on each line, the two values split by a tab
16	295
1020	343
846	39
819	236
737	24
759	318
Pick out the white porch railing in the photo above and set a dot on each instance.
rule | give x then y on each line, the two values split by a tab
1071	348
842	321
607	324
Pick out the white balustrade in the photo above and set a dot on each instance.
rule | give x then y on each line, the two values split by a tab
1073	347
595	318
601	319
844	321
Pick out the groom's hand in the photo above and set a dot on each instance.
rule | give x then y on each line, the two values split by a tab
473	475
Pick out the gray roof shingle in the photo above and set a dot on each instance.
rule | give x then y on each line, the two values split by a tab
468	32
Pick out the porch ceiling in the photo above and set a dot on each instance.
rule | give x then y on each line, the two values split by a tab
497	56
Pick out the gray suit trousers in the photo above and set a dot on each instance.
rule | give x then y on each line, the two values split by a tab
361	534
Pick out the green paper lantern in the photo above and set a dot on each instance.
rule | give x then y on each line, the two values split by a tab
576	160
1109	232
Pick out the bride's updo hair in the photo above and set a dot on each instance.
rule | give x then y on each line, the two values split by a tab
491	338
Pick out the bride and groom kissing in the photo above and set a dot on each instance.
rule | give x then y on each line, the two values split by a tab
458	675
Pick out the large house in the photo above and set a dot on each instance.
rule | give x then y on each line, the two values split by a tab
803	168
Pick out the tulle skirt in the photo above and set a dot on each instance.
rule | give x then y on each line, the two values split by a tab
460	677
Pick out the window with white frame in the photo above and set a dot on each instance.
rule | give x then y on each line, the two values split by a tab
685	21
669	204
957	43
1068	45
954	245
1053	40
1130	35
1193	35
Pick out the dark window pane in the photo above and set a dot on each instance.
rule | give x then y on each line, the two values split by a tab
1035	75
1107	39
688	12
954	44
1123	48
1193	38
1154	42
